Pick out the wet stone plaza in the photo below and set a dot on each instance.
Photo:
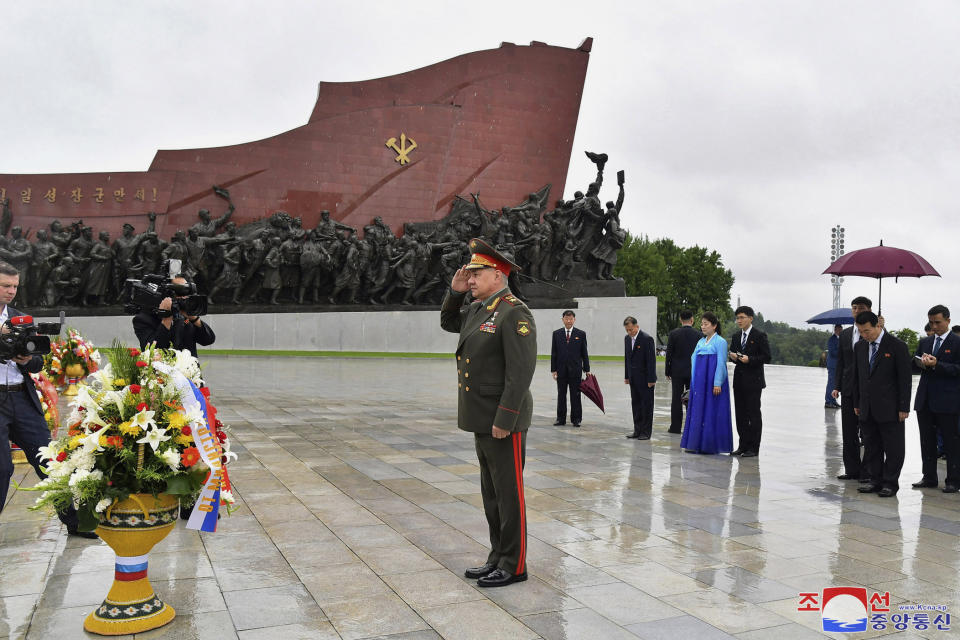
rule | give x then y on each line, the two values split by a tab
359	508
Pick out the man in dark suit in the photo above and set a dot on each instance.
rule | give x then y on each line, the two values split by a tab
844	384
749	350
938	400
680	345
568	362
881	397
174	331
640	362
833	352
21	416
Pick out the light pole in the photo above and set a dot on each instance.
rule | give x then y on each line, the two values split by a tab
836	251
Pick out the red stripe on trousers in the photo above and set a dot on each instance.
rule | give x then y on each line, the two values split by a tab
518	469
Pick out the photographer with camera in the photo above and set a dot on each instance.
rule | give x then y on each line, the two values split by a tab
21	416
174	324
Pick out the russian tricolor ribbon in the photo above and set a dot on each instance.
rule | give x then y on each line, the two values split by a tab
205	511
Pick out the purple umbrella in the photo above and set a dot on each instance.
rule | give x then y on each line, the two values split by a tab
591	388
882	262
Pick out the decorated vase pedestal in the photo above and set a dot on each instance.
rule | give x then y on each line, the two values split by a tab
73	373
132	527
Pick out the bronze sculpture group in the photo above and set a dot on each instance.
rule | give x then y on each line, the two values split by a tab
276	261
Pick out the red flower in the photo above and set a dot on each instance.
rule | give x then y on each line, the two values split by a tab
222	436
218	424
135	388
186	430
190	456
141	363
142	406
134	352
61	456
115	441
223	459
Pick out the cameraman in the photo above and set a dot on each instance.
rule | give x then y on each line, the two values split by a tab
176	331
21	416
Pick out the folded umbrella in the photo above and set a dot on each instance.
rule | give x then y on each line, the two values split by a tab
591	388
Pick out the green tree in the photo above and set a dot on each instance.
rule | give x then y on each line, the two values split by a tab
680	277
911	337
789	345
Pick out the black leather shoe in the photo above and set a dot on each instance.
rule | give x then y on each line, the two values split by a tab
925	484
736	452
500	578
478	572
865	480
886	492
868	488
559	424
748	454
950	488
89	535
848	476
633	436
576	424
677	431
643	437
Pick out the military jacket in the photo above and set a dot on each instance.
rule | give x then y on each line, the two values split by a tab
496	358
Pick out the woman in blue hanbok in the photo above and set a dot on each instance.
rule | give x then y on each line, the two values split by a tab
709	428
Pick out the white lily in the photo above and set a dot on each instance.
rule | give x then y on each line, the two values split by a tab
144	419
92	417
92	442
47	453
154	437
85	400
115	397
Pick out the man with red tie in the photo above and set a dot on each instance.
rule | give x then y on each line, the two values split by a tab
881	367
568	362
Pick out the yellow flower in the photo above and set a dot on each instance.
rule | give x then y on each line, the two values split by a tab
129	429
176	420
103	441
119	382
75	442
182	439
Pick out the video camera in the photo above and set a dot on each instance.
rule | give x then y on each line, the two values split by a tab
147	293
24	337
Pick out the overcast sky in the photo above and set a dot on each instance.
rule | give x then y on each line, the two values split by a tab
751	128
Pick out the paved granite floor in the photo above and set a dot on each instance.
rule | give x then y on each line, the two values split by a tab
360	508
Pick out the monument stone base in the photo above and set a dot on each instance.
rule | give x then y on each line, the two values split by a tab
400	331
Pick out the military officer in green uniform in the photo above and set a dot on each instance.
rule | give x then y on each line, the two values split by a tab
496	357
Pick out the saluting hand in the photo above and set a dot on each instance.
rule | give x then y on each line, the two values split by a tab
461	280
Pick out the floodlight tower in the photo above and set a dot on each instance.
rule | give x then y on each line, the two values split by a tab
836	251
